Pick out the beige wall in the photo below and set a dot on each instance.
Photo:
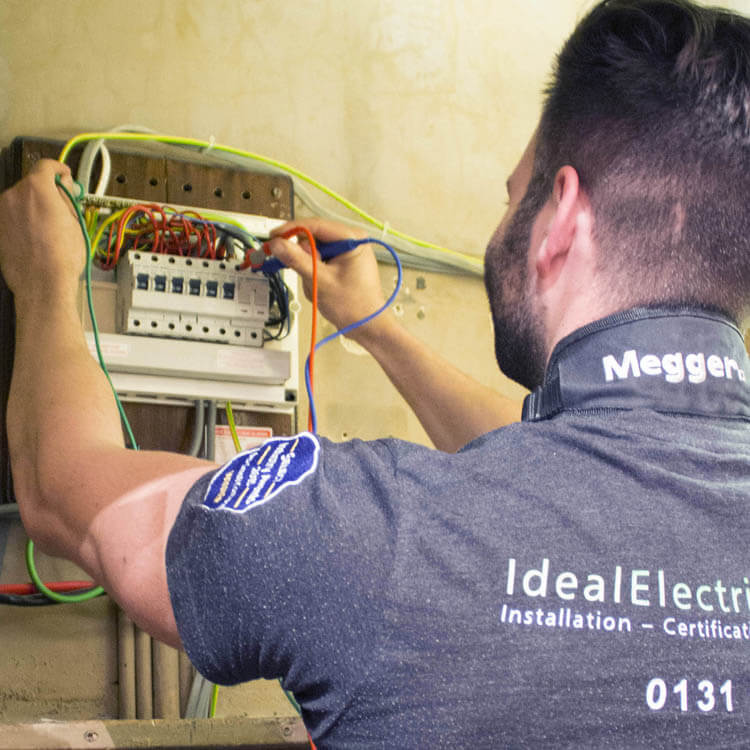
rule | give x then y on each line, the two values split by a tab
416	111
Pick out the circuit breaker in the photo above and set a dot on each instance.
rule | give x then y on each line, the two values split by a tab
190	298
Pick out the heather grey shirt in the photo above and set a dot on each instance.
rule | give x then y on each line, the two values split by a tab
580	579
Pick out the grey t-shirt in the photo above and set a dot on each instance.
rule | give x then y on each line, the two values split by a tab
580	579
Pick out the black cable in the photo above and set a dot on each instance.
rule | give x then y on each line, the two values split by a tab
279	293
33	600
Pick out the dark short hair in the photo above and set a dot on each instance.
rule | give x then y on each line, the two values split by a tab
650	102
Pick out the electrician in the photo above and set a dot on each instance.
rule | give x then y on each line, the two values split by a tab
577	579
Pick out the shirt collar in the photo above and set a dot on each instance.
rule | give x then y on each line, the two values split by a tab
683	361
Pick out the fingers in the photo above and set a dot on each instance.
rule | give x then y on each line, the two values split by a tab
297	255
292	255
46	169
39	233
42	178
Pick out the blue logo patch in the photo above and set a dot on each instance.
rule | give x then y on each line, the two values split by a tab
254	477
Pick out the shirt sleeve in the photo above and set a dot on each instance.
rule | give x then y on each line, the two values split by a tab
285	581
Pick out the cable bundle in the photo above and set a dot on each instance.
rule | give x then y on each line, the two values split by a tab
158	229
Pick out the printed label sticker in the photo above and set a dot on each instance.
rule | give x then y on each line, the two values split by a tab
255	477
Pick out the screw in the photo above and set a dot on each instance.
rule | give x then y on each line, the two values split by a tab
91	736
276	192
287	731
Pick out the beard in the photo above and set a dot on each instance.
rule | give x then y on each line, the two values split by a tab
519	332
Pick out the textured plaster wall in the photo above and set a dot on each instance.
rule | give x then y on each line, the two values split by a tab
416	111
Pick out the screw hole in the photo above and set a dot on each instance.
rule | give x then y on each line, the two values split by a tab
153	182
187	187
219	193
246	194
121	178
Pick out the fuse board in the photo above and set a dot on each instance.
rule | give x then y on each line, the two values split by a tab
190	298
160	377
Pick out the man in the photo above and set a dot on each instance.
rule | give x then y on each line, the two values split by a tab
580	579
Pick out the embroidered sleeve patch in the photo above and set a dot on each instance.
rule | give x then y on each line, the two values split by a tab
254	477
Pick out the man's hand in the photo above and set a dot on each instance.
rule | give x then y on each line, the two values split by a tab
349	287
41	246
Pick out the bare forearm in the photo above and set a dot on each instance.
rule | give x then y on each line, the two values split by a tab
81	493
452	407
60	404
67	452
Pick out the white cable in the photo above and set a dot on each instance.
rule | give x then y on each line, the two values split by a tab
95	148
199	701
106	171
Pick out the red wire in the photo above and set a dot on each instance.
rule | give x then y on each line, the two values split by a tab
164	231
22	589
296	231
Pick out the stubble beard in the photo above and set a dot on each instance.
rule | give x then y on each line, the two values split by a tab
519	332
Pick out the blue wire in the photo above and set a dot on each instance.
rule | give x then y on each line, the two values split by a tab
346	329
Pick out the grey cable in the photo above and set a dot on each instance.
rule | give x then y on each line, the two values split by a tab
9	510
199	700
211	430
198	429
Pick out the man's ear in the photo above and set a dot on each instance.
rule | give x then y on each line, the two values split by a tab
562	225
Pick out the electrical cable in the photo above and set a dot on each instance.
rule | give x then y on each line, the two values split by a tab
200	423
201	691
313	418
32	600
310	362
9	510
214	700
74	598
23	589
467	263
233	427
98	148
27	595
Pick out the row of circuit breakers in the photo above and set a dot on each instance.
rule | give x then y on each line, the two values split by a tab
190	298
